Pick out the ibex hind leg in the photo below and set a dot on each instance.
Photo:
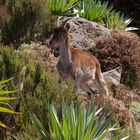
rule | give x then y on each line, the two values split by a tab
102	82
81	83
86	84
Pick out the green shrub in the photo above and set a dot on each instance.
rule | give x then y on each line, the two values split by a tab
9	64
76	124
136	106
117	20
93	10
28	20
3	101
62	7
35	86
98	11
6	109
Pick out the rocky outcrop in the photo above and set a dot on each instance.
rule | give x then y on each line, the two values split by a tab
84	33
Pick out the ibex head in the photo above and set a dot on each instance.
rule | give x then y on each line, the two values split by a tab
59	36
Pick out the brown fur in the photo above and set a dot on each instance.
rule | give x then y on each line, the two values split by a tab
78	65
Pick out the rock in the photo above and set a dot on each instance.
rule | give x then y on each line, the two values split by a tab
113	76
84	33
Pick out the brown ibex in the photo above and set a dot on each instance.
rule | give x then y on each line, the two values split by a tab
79	65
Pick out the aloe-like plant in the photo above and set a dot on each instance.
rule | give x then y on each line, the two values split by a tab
93	10
61	7
4	99
98	11
76	124
116	20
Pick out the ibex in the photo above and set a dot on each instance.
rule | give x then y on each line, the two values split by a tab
79	65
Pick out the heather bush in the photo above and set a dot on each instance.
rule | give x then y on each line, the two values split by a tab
120	49
35	86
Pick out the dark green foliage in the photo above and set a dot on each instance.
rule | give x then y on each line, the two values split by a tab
102	12
93	10
62	7
28	20
10	67
3	101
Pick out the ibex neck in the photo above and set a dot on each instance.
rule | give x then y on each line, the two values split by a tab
65	54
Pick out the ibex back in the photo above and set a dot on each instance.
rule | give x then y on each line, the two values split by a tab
79	65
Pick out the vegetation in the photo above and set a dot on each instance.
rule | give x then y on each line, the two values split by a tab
93	10
136	107
3	100
28	21
130	8
35	86
62	7
24	21
120	49
76	124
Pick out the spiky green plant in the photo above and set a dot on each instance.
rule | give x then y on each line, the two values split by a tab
28	21
61	7
3	101
98	11
117	20
95	10
76	124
